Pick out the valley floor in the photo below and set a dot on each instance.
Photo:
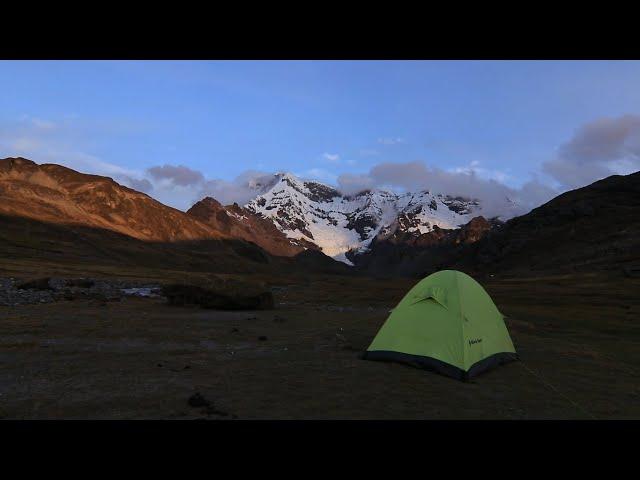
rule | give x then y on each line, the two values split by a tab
578	337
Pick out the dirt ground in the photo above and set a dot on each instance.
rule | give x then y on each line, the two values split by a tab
578	337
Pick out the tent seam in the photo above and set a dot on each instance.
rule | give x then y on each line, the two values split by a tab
463	338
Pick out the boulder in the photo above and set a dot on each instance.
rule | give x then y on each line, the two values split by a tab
80	282
35	284
197	400
236	296
632	271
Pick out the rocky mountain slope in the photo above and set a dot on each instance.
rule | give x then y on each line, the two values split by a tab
402	254
56	194
339	224
239	222
50	213
592	228
286	217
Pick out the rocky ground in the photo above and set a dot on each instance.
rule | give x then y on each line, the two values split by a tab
14	292
138	358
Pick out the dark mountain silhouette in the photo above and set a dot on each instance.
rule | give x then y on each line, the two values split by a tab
594	227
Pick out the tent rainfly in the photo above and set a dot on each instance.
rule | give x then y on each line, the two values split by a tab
446	323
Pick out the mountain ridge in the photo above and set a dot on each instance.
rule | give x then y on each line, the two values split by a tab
377	231
239	222
50	212
341	224
57	194
590	228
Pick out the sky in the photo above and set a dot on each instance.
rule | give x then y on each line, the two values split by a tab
179	130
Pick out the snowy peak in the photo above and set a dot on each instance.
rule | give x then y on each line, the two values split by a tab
337	223
316	192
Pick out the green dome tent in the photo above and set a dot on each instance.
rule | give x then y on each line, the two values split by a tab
446	323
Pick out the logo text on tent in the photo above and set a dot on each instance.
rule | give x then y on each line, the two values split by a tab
475	340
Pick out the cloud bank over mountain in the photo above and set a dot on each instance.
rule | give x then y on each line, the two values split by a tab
240	190
179	175
497	198
597	149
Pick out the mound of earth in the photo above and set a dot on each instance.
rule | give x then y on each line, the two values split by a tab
220	295
316	261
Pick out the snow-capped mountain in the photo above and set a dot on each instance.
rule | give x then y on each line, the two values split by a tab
338	223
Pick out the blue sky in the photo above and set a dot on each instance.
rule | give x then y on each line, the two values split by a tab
329	120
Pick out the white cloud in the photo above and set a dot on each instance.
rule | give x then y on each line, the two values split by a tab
43	124
178	175
45	141
369	152
350	183
390	140
141	185
474	168
331	157
37	122
497	199
319	174
598	149
240	190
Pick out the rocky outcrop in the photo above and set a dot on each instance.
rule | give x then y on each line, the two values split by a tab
14	292
238	222
404	253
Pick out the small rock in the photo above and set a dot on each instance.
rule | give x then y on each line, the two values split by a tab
211	410
197	400
80	282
